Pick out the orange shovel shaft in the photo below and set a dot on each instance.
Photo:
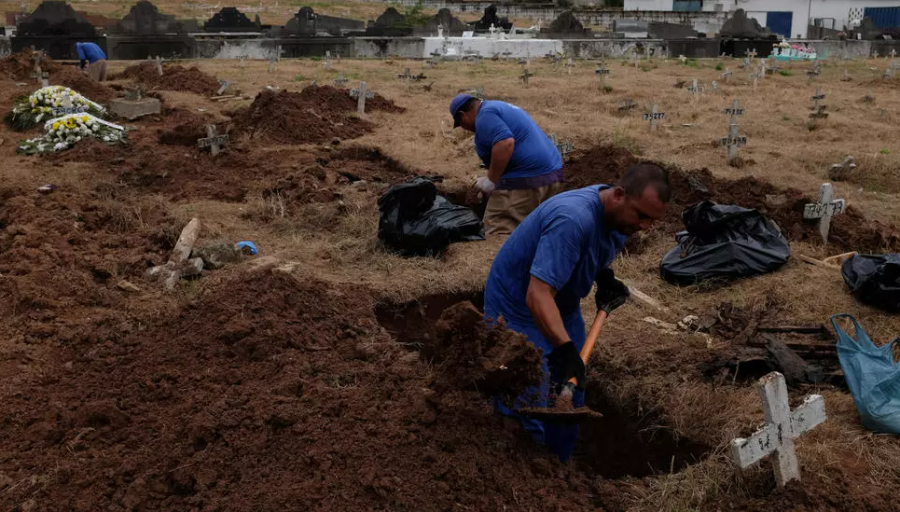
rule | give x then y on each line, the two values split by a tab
591	340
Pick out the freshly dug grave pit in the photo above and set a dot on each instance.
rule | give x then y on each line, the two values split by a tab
849	231
316	114
265	392
174	78
413	323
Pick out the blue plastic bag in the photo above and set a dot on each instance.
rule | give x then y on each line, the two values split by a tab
872	376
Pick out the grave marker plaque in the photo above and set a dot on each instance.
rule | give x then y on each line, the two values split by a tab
212	141
734	140
654	116
818	109
361	95
824	209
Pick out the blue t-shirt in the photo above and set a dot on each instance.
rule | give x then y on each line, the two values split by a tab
534	153
563	243
89	52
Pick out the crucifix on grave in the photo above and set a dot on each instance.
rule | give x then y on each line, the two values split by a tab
213	141
361	95
328	59
526	74
341	80
891	70
159	68
762	69
654	116
824	209
783	426
180	263
569	65
815	71
750	54
846	76
734	140
602	72
818	109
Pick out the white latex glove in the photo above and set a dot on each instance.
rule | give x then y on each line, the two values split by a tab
485	185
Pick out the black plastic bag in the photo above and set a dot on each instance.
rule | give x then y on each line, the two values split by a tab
724	241
415	221
874	279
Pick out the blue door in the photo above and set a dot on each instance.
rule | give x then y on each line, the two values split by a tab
780	22
884	17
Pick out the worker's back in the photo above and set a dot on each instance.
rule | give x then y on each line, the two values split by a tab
534	153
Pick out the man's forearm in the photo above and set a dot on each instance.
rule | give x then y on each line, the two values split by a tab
542	304
501	154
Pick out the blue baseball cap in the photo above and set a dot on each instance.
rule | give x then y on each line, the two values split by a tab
456	104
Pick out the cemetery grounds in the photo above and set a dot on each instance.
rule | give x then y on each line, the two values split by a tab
302	378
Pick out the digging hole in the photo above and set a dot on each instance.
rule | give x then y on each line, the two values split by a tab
628	442
412	323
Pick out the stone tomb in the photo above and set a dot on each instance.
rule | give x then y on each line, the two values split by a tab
55	27
134	107
145	32
230	19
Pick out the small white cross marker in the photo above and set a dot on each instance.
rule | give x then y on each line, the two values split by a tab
826	208
782	427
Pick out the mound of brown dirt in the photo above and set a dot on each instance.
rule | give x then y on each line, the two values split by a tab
62	254
266	392
494	360
174	78
71	77
19	66
316	114
851	231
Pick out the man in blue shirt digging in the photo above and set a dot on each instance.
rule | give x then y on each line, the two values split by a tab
92	60
524	166
550	263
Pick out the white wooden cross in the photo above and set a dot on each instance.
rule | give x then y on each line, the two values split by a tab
893	53
569	65
725	75
840	171
824	209
327	59
694	88
715	86
341	79
212	141
653	116
526	74
361	94
41	76
159	61
733	141
782	428
762	69
751	54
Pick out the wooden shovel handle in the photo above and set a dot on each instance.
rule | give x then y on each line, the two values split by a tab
591	339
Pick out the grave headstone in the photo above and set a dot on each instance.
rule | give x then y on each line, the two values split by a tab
134	105
740	26
566	26
602	72
627	105
694	89
654	116
734	140
213	141
230	19
838	172
824	209
445	24
783	427
361	94
54	27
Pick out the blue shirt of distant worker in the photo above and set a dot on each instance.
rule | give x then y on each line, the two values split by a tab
550	263
524	167
89	53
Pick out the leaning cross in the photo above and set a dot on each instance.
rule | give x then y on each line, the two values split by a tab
653	116
782	428
341	80
180	263
225	84
826	208
361	94
725	75
212	141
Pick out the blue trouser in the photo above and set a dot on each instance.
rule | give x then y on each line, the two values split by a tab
560	439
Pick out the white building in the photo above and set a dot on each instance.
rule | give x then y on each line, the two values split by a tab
779	15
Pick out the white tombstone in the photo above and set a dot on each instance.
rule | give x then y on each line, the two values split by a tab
782	428
826	208
654	116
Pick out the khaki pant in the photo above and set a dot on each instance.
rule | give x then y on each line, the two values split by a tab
97	71
506	209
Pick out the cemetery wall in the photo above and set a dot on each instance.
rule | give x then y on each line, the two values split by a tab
613	48
379	47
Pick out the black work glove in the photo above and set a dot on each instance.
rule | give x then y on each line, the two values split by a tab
611	293
565	363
